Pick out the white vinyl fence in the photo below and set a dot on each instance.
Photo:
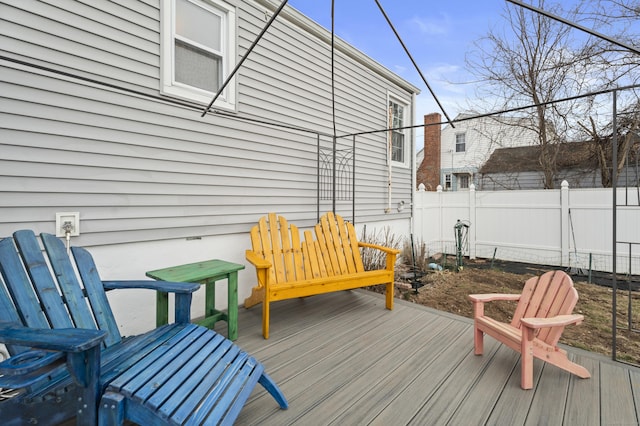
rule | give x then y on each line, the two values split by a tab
566	227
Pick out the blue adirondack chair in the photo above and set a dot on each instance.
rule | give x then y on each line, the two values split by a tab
68	358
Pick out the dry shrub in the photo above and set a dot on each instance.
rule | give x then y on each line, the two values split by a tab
376	259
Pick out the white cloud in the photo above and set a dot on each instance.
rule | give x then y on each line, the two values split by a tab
430	26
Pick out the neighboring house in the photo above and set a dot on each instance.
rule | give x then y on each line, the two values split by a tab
519	168
101	115
453	156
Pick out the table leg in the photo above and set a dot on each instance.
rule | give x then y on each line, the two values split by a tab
162	308
210	298
232	306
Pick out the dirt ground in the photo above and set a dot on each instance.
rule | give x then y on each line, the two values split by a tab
447	290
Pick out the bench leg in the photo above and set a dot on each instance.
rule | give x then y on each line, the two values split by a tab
265	318
257	296
389	295
112	407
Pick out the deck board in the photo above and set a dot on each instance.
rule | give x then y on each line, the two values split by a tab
618	405
583	398
342	358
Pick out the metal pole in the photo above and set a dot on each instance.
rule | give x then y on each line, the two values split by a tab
333	180
574	25
614	187
353	180
414	63
333	102
630	299
318	177
244	57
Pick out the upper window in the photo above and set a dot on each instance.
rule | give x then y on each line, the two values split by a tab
461	145
198	47
396	119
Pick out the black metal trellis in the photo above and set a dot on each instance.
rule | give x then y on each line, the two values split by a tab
335	162
614	185
630	245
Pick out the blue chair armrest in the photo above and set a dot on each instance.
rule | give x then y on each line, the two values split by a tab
63	339
72	345
183	292
164	286
29	361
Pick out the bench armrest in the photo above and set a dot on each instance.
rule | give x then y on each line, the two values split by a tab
557	321
387	250
256	260
164	286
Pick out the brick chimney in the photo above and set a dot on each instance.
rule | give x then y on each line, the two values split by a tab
429	170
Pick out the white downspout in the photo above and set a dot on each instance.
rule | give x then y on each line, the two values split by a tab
389	162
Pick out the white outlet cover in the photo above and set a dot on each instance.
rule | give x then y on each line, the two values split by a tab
73	217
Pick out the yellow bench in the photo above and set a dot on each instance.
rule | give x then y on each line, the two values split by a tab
288	267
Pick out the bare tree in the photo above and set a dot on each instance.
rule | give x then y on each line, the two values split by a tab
618	18
601	140
535	61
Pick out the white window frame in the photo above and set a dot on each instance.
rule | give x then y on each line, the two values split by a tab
168	85
406	145
464	145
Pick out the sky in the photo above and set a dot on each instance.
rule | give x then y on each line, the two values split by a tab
438	34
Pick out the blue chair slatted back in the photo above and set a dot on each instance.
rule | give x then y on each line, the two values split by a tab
41	294
96	294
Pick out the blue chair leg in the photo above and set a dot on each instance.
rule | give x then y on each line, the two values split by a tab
271	387
111	411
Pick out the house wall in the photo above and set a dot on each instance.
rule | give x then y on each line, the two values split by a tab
84	128
482	135
566	227
629	175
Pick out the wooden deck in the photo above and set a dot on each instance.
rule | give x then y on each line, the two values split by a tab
342	358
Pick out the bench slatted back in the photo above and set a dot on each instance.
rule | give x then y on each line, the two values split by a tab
279	242
546	296
334	250
48	294
338	245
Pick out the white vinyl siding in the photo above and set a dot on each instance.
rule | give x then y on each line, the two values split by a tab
102	140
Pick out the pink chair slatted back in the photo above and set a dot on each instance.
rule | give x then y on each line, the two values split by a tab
546	296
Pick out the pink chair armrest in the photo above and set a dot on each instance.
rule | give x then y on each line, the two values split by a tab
557	321
490	297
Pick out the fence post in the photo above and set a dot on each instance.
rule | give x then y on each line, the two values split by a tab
565	226
471	235
440	207
418	213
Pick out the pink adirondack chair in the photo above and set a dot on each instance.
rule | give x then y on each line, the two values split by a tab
544	308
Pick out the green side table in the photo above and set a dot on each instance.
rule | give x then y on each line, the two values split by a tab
205	273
